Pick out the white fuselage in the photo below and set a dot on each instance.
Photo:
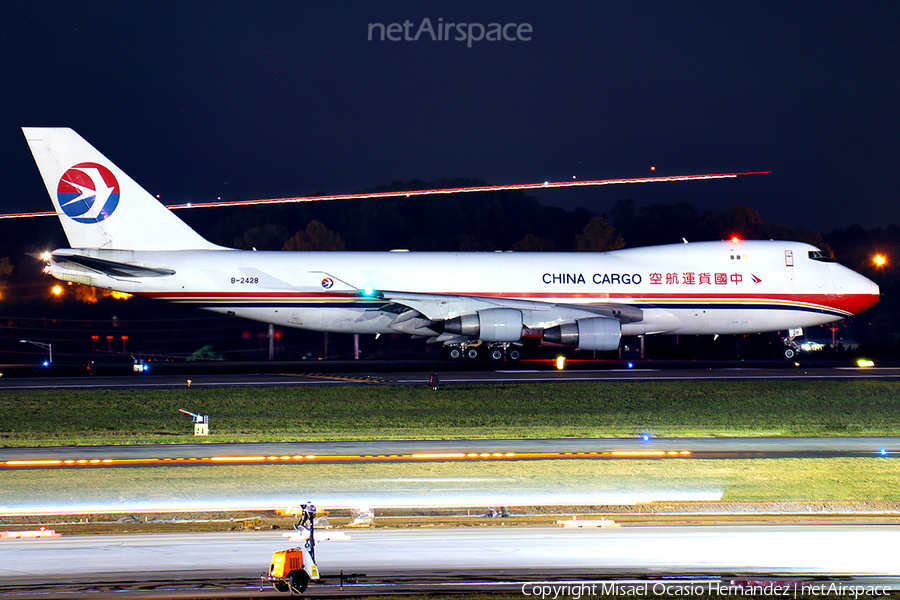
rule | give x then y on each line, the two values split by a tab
697	288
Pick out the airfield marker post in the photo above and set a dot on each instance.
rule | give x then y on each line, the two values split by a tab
201	422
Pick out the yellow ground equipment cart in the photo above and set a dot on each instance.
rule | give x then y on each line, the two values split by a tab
292	570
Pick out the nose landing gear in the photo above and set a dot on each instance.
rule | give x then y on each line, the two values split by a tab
793	347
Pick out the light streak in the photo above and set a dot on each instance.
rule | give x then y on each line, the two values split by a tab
307	459
409	193
438	456
385	499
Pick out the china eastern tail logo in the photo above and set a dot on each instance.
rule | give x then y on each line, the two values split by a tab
88	193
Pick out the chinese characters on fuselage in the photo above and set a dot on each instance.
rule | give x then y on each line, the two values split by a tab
679	278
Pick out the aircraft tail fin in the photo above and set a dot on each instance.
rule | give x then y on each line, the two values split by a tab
98	204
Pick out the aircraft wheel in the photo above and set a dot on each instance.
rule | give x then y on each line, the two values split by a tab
496	354
281	586
299	581
472	353
514	354
789	353
454	353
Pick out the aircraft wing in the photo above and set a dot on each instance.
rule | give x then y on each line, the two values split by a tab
429	314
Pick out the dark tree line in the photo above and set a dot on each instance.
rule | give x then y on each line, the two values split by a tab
483	221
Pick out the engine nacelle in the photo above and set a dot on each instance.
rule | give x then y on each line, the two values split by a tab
594	333
489	325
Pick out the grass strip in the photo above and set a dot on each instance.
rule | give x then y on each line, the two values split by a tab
570	409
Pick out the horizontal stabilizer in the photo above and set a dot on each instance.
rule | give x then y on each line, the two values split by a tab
111	268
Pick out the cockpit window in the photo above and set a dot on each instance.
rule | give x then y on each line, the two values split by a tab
820	256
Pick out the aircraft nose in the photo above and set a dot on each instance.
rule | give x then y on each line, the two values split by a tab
859	292
874	292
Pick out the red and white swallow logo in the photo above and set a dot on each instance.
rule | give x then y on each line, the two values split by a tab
755	278
88	192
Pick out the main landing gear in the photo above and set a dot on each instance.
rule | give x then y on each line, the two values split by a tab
496	351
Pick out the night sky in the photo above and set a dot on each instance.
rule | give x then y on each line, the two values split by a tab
199	100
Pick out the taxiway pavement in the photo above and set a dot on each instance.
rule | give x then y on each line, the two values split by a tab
520	553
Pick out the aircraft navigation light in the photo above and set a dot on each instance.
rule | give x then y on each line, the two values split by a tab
735	239
880	260
56	290
370	293
46	255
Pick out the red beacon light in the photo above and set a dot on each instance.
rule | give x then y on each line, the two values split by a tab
735	239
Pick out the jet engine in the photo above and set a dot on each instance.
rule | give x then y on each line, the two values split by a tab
489	325
593	333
